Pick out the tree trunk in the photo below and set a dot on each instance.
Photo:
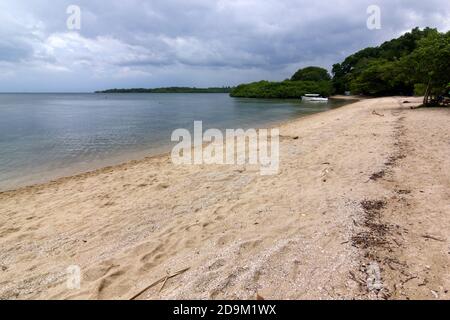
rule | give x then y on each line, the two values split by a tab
427	94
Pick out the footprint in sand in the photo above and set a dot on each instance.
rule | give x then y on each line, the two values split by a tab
162	186
97	272
217	264
111	285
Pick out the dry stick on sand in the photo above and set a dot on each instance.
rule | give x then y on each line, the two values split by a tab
378	114
426	236
158	281
164	284
356	279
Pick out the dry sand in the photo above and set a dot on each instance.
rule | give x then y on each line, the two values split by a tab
356	187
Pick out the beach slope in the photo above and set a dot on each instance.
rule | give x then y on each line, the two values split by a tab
359	209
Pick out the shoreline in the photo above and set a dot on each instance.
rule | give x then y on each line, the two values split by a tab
143	158
365	183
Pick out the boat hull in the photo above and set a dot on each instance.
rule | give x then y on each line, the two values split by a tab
315	99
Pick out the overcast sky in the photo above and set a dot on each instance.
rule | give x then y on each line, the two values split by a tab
136	43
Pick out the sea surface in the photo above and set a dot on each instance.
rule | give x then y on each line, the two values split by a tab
46	136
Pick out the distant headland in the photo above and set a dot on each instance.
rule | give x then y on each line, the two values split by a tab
170	90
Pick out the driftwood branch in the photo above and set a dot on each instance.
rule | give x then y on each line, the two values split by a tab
426	236
163	280
377	114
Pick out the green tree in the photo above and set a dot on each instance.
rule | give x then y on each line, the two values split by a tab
282	90
430	64
363	70
311	74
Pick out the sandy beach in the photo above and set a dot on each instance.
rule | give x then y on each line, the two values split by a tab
362	190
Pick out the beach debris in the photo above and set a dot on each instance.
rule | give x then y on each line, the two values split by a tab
290	137
377	175
163	280
357	280
374	236
435	294
258	297
374	277
164	284
408	279
403	191
325	174
371	205
426	236
377	114
392	160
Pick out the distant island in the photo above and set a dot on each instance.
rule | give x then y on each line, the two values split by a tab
170	90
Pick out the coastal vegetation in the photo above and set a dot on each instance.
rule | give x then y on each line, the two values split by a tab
170	90
287	89
307	80
416	63
311	74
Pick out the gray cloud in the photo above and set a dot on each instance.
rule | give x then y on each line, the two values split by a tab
196	42
14	51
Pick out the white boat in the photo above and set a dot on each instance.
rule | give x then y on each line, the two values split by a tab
319	99
313	97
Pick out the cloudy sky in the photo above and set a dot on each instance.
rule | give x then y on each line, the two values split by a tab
154	43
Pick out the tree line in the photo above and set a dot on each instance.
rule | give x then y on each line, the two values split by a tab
416	63
170	90
307	80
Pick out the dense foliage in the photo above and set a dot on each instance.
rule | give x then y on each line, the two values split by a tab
311	74
415	63
282	90
430	64
169	90
307	80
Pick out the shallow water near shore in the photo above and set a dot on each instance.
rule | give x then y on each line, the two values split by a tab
46	136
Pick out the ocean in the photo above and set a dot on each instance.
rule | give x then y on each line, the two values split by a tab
46	136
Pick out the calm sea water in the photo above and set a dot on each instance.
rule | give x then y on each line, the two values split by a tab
44	136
